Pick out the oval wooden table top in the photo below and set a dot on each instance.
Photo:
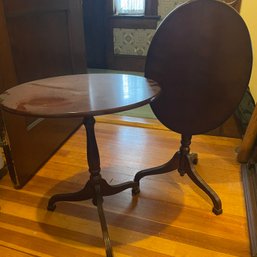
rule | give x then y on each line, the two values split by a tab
201	56
79	95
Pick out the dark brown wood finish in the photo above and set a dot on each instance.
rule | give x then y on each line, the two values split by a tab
83	96
201	56
95	32
131	22
231	127
37	32
38	39
7	69
151	7
149	21
167	211
203	67
79	95
99	22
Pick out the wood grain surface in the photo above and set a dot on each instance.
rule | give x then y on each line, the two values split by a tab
170	217
79	95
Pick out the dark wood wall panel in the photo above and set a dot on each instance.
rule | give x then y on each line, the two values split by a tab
95	32
39	38
53	55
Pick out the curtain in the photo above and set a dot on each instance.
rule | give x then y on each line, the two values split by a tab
132	7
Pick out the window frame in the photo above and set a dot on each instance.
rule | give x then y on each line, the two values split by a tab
147	21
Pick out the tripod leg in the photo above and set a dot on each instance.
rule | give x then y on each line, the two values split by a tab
107	189
192	173
86	193
167	167
106	237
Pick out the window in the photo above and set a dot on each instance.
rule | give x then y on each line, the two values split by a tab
129	20
129	7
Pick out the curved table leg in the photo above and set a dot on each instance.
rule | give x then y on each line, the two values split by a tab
106	237
89	192
86	193
169	166
187	166
195	177
184	162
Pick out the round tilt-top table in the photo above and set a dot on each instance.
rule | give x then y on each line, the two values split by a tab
83	95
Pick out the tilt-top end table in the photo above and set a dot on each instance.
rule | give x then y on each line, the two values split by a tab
84	95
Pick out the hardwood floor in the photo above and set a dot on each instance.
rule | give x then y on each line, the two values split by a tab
170	217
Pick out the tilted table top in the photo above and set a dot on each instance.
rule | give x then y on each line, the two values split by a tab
79	95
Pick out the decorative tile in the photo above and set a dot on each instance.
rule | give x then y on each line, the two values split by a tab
137	41
132	41
166	6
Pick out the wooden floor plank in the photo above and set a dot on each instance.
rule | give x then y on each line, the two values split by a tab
9	252
170	217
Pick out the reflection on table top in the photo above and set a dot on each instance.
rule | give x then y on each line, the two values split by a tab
79	95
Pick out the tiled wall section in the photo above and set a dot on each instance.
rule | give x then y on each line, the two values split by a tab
165	6
132	41
137	41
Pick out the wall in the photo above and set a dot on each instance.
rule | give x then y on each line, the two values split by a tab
137	41
249	12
